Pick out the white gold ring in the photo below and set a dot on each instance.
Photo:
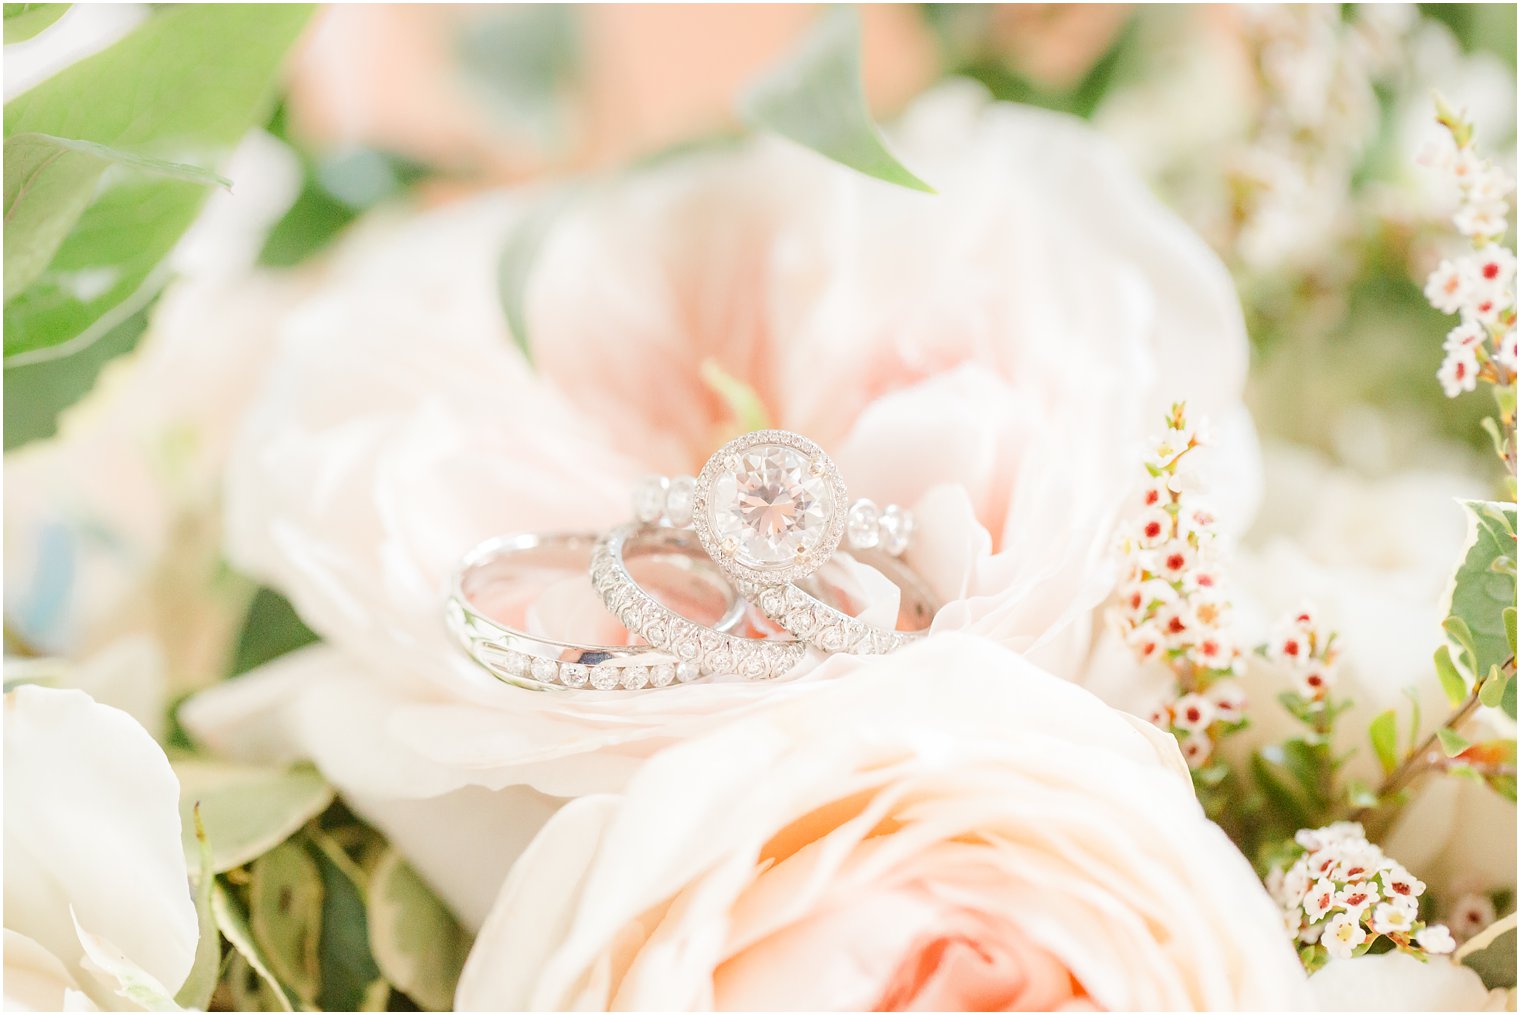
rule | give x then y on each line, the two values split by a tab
493	573
771	508
709	650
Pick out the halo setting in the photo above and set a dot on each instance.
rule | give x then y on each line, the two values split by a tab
769	507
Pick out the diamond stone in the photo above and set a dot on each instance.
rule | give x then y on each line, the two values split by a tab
678	501
635	677
605	676
545	670
517	663
649	498
574	674
662	674
772	507
687	672
863	529
896	528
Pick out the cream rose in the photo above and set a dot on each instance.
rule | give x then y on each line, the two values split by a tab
948	829
96	888
993	356
1395	982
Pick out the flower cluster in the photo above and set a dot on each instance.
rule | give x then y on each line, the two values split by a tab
1308	652
1480	285
1171	605
1339	894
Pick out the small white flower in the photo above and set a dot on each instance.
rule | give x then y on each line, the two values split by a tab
1465	166
1506	351
1458	372
1446	289
1313	681
1358	859
1175	558
1291	646
1146	641
1193	712
1296	882
1470	914
1436	940
1489	185
1213	652
1392	918
1342	936
1154	493
1488	218
1493	265
1467	335
1153	528
1175	622
1354	898
1399	882
1485	303
1319	899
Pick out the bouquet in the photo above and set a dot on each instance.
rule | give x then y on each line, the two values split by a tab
759	508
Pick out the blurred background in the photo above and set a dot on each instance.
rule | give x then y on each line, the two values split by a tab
1285	135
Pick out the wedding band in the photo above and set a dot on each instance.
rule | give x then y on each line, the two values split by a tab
710	651
830	629
493	570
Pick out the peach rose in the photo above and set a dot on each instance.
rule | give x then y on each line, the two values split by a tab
949	829
993	356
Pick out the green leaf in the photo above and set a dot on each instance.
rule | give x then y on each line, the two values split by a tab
744	403
1452	742
285	915
816	98
349	972
1491	954
37	394
1453	685
49	181
271	629
233	923
1384	736
1284	800
185	85
22	21
247	809
1491	693
1507	701
1483	586
417	943
200	984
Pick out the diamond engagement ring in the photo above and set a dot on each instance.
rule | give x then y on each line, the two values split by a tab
770	508
495	581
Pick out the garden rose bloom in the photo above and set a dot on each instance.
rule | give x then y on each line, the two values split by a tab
93	860
993	356
948	829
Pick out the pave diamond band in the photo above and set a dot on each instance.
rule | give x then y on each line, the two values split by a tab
708	650
492	575
829	629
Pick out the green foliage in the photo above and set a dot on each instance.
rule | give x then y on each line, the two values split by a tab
1492	954
185	84
232	921
37	394
22	21
816	98
285	916
1384	735
350	978
335	190
247	809
416	941
200	983
271	628
1482	588
1452	742
49	181
1452	683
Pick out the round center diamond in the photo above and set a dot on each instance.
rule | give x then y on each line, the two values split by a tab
770	509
